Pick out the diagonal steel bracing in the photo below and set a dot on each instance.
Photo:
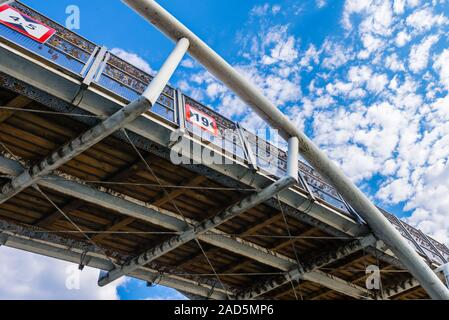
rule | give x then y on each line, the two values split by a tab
169	220
301	272
105	128
240	207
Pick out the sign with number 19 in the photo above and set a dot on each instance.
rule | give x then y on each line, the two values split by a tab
201	119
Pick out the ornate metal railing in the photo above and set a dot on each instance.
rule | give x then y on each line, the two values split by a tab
429	248
75	55
65	48
129	82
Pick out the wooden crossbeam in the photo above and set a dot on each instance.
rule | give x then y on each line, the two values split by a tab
198	256
260	225
323	292
159	202
73	205
285	243
248	231
282	244
164	198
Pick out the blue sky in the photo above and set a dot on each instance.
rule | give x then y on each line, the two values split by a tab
367	80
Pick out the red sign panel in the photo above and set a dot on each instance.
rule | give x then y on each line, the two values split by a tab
24	24
201	119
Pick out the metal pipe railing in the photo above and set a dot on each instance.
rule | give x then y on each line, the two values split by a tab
250	94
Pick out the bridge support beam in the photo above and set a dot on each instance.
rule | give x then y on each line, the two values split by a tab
411	283
108	126
301	272
249	93
171	221
400	288
240	207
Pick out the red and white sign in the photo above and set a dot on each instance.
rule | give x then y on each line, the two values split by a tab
201	119
24	24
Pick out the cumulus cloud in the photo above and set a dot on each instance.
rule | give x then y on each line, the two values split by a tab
425	19
393	63
351	7
419	54
262	10
321	3
402	38
442	66
29	276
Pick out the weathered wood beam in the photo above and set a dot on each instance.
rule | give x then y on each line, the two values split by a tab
74	205
18	103
116	226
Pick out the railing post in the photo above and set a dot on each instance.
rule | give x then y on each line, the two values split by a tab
438	253
91	68
293	158
102	67
180	119
249	154
180	111
304	182
351	209
92	72
89	61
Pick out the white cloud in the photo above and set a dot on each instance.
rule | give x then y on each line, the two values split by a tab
419	54
311	56
284	51
321	3
275	8
402	38
377	82
413	3
188	63
442	66
339	87
359	75
371	44
335	55
393	63
396	191
398	6
424	19
351	7
262	10
133	59
29	276
378	20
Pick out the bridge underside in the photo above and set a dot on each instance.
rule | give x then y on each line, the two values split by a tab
123	196
114	168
